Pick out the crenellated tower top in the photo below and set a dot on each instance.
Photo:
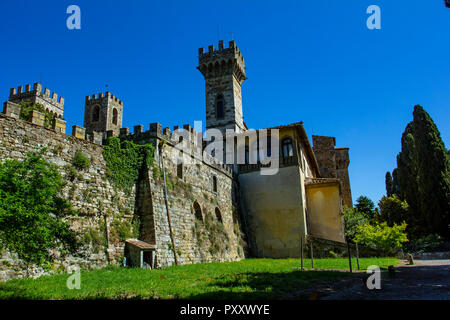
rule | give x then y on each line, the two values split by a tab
35	95
218	62
224	73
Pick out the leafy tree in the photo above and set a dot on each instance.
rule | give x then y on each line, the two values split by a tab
393	210
382	237
366	206
352	220
389	184
31	210
424	176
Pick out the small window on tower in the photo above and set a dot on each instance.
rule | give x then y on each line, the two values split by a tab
220	113
114	119
95	114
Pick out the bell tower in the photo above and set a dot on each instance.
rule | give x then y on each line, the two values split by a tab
103	112
224	72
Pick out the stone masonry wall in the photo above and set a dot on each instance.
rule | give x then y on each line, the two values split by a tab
217	236
101	208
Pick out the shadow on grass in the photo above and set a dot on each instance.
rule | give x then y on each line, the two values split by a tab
265	285
9	292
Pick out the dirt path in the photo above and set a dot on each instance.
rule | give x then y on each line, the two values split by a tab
425	280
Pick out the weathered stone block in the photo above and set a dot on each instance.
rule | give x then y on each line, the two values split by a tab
124	132
59	125
155	127
79	132
11	109
37	118
97	137
138	129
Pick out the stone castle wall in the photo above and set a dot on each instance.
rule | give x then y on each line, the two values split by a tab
99	206
333	163
102	209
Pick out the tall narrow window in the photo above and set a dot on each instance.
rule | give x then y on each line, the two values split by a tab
95	113
114	119
220	113
218	215
288	150
198	211
214	183
180	170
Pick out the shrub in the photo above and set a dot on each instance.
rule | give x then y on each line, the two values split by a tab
382	237
430	243
81	161
31	210
352	220
71	172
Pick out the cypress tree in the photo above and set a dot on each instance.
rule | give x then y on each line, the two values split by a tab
433	173
395	187
389	184
407	180
423	176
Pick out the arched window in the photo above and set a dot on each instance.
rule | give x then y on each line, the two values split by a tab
288	150
198	211
218	215
214	183
115	114
220	113
96	114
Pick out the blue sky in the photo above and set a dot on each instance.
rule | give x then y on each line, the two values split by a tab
310	61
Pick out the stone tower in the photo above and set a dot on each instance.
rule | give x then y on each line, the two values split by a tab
103	113
224	72
35	95
333	163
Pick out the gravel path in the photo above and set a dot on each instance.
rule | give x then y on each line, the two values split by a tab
425	280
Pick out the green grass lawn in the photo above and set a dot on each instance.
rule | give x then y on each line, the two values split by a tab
247	279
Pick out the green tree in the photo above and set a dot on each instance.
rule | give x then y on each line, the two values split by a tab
382	237
366	206
395	187
389	184
31	210
424	176
393	210
433	174
352	220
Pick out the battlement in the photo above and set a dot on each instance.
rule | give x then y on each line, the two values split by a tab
52	103
217	62
98	98
173	138
323	142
